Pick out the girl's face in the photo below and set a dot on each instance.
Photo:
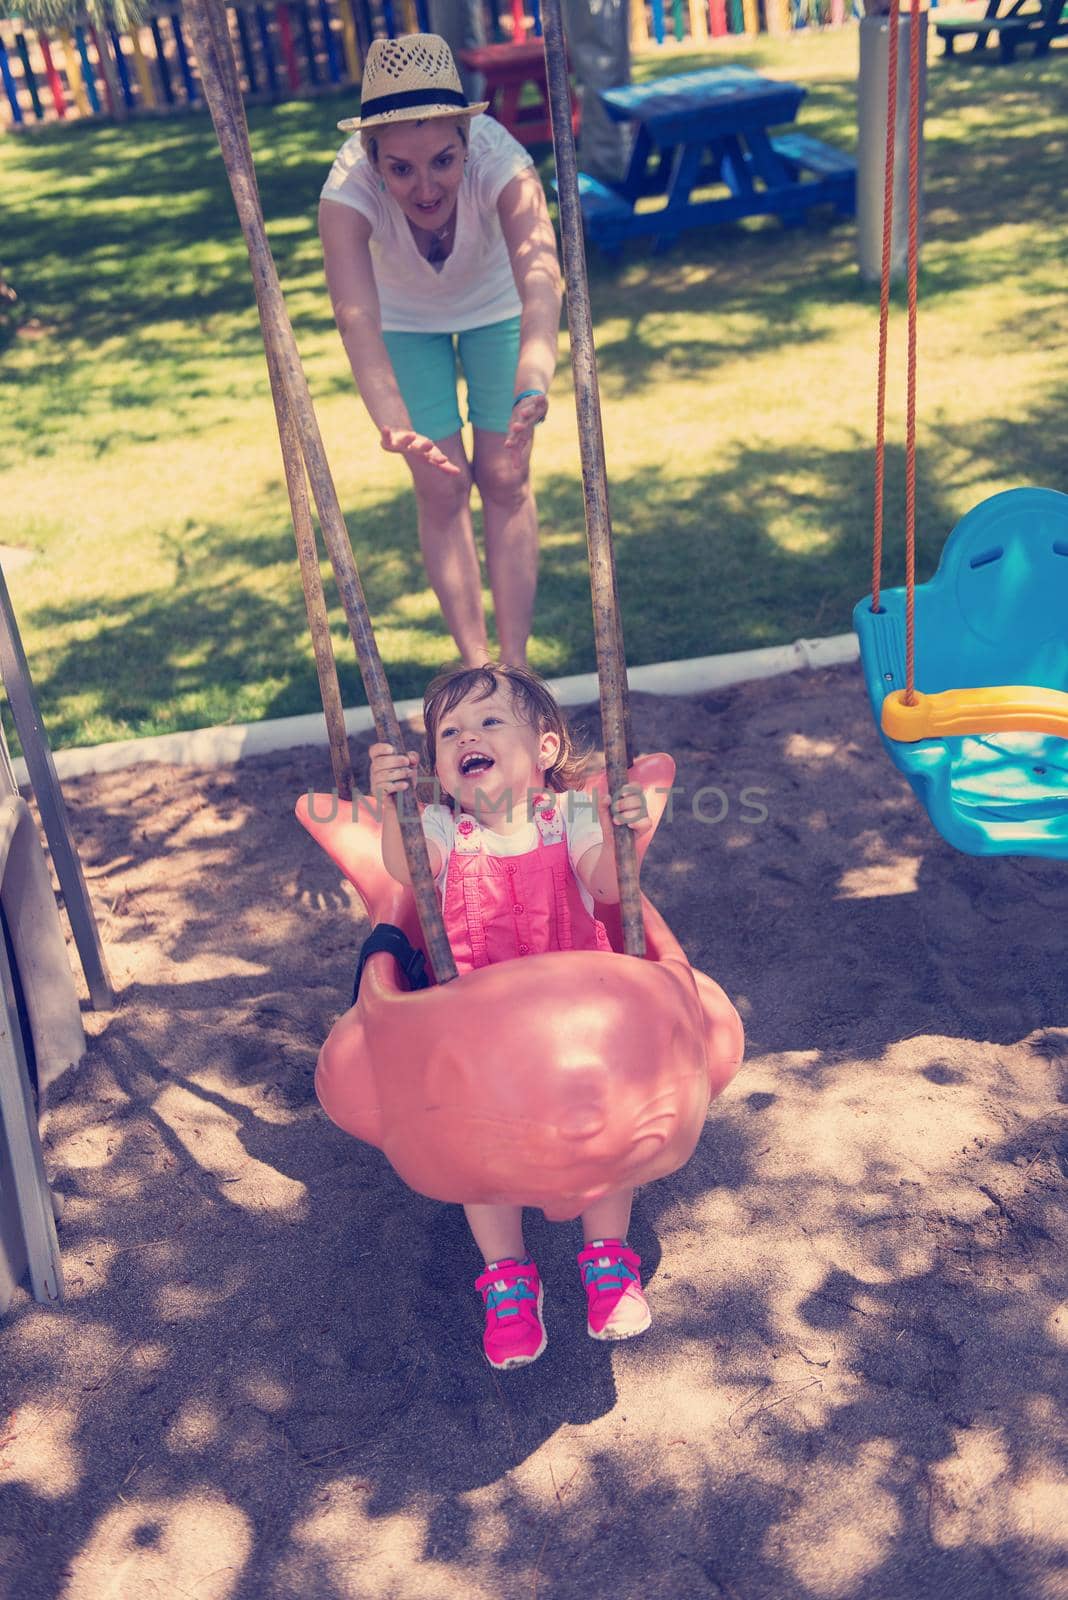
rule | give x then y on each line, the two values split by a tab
423	166
489	759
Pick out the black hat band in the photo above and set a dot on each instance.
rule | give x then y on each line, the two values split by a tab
411	97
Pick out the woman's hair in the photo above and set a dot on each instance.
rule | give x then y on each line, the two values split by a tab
533	701
369	140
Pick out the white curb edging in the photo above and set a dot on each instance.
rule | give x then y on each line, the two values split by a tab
220	747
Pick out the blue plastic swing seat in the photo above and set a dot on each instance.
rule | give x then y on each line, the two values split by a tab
994	614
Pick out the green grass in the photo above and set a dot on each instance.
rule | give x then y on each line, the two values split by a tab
138	455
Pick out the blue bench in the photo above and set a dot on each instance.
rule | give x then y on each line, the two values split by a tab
1016	26
610	218
709	129
800	152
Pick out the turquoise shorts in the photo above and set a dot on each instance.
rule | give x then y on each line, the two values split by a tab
425	369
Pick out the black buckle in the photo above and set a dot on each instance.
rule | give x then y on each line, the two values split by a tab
396	943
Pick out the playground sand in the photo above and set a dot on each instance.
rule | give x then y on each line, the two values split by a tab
266	1381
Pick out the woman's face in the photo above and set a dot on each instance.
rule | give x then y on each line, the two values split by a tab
423	166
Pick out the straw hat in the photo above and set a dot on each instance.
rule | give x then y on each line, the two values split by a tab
410	79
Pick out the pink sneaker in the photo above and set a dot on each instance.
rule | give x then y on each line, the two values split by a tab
512	1294
615	1305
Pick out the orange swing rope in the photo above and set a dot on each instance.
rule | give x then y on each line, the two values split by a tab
908	716
884	324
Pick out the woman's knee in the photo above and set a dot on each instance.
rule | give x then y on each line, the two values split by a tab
504	481
442	494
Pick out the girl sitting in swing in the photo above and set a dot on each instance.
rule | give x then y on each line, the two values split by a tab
519	871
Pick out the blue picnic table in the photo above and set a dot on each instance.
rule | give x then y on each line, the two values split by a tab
712	127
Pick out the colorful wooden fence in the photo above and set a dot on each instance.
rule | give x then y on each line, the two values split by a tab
287	48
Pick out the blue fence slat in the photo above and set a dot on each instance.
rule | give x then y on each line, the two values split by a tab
121	69
308	36
161	62
9	85
27	75
183	60
333	58
267	47
247	57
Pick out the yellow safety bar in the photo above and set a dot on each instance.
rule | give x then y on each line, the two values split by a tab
1006	708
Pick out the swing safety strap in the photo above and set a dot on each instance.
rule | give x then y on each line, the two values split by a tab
395	942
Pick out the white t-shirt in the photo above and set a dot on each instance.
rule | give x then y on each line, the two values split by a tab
475	286
582	830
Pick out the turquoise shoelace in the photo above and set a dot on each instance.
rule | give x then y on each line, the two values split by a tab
615	1275
505	1302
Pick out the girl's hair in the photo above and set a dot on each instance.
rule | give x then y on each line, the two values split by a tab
533	701
370	140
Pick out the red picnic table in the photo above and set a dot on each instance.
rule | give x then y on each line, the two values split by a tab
508	69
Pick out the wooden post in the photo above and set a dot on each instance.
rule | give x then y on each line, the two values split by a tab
218	72
607	627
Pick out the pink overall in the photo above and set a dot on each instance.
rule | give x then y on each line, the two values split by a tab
500	907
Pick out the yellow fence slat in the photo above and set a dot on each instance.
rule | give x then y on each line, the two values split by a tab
74	72
144	76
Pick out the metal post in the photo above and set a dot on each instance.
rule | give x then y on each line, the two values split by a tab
43	777
871	141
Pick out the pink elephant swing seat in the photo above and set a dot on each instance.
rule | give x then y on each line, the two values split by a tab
547	1081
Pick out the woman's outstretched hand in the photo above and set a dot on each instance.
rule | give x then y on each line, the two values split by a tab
525	418
406	442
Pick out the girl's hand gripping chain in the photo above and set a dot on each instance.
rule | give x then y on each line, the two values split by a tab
390	773
627	810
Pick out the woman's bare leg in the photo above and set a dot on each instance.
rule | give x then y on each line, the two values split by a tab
510	521
447	541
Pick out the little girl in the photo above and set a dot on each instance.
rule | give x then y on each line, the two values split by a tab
519	874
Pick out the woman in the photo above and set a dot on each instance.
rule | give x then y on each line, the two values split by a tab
436	239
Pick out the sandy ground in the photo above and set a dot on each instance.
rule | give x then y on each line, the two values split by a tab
266	1380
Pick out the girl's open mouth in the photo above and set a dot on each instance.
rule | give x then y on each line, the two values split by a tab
475	762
